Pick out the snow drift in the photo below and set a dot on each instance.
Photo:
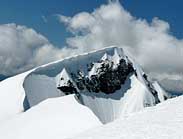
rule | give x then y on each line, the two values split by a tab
107	81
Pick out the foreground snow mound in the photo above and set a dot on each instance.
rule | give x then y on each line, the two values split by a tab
107	81
164	121
55	118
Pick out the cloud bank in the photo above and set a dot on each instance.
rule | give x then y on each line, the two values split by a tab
151	44
22	48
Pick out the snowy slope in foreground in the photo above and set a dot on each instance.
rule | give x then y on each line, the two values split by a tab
164	121
55	118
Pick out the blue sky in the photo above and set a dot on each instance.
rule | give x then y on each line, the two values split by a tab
30	13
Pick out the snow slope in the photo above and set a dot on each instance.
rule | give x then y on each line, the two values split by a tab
164	121
55	118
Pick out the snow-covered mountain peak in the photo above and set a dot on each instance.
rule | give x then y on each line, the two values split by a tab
107	81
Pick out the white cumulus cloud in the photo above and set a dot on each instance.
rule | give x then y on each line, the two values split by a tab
22	48
151	44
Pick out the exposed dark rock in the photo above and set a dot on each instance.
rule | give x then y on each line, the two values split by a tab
107	79
68	89
150	86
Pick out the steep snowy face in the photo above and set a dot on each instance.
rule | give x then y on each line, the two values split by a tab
113	86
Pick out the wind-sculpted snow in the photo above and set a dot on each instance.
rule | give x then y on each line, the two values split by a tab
107	81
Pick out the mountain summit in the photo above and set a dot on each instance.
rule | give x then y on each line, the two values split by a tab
107	81
111	86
